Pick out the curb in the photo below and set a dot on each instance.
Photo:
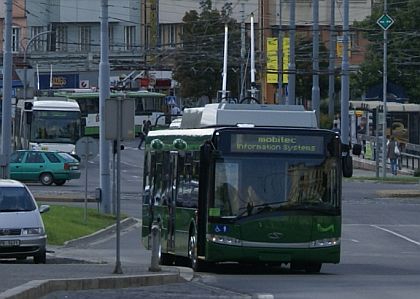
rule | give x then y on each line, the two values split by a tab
40	288
125	223
399	193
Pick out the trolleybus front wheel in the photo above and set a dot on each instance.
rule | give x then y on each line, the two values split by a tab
195	264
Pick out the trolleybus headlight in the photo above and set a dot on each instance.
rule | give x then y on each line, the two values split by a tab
325	242
225	240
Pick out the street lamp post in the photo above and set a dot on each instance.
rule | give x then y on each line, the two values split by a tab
25	50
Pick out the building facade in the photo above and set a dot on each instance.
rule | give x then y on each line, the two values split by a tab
62	37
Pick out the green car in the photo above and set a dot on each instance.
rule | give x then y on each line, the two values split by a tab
43	166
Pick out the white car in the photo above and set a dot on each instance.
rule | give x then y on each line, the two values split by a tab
22	232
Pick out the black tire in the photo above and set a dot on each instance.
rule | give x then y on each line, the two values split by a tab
249	100
46	178
165	259
59	182
194	263
313	267
41	257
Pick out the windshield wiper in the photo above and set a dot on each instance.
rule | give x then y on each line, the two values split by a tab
264	207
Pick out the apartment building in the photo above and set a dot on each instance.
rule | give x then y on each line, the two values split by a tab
62	37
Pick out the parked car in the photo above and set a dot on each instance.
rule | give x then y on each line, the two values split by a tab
46	167
22	232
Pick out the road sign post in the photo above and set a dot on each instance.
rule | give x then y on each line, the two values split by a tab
86	148
385	22
120	126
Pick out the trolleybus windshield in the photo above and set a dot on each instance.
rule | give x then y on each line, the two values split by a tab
55	126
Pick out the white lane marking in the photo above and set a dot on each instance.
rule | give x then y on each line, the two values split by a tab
397	234
265	296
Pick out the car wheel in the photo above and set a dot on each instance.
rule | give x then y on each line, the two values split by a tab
59	182
46	178
41	257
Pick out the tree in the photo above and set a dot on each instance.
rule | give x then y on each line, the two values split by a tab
403	60
199	63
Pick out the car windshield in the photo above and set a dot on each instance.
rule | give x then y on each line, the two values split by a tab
249	185
15	199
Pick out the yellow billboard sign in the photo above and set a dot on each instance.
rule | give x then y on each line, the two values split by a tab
272	63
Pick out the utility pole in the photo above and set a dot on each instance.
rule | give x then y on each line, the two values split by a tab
291	96
253	71
104	86
242	52
7	92
280	57
331	61
345	77
315	59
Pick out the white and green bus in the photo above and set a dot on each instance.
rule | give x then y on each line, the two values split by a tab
149	106
47	123
245	183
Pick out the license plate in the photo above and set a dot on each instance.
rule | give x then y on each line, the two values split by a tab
9	243
74	167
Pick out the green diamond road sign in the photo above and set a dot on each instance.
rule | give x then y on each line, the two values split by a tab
385	21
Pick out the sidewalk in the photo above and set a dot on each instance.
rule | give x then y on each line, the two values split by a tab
79	266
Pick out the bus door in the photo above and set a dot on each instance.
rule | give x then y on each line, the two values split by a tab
173	178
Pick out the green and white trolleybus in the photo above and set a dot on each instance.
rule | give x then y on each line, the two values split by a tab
245	183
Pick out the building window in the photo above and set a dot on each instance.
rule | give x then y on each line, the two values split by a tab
172	36
61	38
38	44
111	37
129	37
15	39
85	32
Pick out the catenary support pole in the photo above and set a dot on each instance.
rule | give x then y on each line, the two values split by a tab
315	59
7	92
291	97
331	62
104	85
345	77
280	57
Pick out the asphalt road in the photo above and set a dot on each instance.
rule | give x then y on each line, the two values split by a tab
380	249
380	258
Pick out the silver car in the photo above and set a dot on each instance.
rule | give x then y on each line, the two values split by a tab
22	232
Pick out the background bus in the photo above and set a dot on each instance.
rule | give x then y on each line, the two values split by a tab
47	123
149	106
245	183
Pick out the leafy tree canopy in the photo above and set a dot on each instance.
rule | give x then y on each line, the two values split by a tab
199	63
403	61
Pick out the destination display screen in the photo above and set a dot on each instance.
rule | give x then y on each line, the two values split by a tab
281	144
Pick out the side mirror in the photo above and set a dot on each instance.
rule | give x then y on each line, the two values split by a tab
346	161
44	208
28	117
347	165
357	149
